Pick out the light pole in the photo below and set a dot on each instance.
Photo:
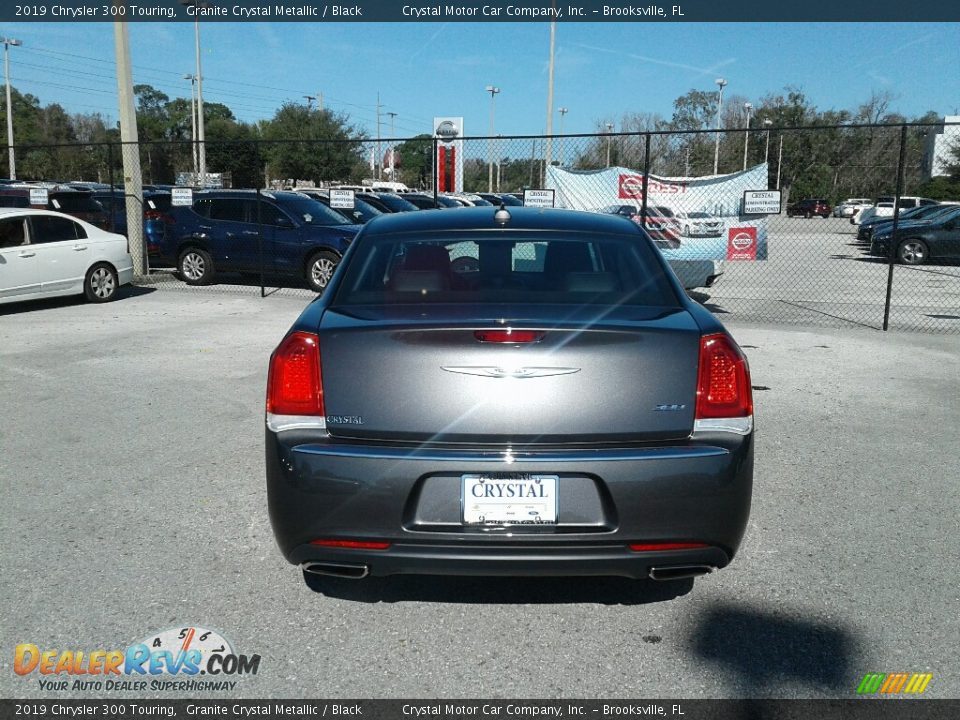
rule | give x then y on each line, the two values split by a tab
493	106
746	136
563	147
7	42
609	138
193	121
767	122
780	160
716	150
393	149
548	148
202	148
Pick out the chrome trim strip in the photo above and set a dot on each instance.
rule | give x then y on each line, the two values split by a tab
512	456
295	422
738	426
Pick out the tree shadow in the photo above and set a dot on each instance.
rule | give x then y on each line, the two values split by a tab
762	651
501	590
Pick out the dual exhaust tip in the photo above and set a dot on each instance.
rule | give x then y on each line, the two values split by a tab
357	572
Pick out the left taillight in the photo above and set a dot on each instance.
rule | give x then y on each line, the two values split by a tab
724	394
294	384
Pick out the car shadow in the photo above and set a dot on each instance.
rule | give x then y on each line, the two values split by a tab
762	651
17	308
504	590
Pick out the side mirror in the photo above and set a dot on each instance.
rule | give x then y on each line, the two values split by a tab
284	222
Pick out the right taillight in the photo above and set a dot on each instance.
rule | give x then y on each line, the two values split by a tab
724	396
294	384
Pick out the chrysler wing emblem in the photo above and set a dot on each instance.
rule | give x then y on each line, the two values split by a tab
499	372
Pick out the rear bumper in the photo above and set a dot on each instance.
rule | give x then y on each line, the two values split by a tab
695	492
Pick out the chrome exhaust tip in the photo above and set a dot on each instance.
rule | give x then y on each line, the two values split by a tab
341	570
679	572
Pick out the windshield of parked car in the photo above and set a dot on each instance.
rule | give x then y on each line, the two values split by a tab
491	268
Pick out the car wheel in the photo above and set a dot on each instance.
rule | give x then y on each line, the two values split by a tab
101	283
195	266
912	252
320	269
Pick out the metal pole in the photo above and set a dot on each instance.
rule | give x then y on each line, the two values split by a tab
779	160
896	221
493	96
393	149
646	179
548	149
716	149
7	42
746	135
202	148
377	162
609	130
563	144
193	123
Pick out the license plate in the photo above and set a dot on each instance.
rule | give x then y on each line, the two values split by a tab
514	499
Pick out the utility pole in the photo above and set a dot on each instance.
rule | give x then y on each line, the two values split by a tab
319	101
493	90
563	144
716	149
310	99
193	123
132	179
609	138
7	42
746	136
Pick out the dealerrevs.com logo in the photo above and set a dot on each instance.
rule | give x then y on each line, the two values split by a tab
174	659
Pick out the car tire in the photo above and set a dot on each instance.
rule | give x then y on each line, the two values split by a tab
101	283
912	252
320	269
195	266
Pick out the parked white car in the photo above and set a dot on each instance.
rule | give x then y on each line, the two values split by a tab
46	254
699	224
851	206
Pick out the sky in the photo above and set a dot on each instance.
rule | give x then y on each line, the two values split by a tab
424	70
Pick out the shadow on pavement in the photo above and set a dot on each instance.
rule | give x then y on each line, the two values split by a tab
763	651
501	590
127	291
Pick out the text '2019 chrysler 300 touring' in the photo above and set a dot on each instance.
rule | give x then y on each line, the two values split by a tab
507	392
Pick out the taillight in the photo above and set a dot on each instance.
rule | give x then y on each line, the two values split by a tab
294	385
509	336
657	547
724	396
352	544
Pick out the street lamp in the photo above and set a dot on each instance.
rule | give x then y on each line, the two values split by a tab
767	122
716	150
202	148
609	131
193	120
7	42
746	136
493	106
563	148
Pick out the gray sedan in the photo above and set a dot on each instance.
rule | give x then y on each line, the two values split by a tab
558	407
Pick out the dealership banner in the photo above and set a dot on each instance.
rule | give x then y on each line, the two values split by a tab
706	211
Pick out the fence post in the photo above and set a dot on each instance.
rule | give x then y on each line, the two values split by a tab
646	180
113	201
263	292
435	171
892	256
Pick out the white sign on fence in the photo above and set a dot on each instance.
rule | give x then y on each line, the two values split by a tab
181	197
538	198
761	202
39	196
342	199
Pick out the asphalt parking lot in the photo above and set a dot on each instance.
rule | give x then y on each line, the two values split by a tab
133	501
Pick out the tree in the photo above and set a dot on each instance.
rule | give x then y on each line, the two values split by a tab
309	144
415	161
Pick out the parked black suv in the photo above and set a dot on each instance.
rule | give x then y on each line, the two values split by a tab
280	233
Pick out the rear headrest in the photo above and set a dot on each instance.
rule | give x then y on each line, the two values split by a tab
419	281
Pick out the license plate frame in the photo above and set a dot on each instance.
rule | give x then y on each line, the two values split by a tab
535	499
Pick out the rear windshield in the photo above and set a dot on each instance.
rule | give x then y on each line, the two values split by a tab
487	268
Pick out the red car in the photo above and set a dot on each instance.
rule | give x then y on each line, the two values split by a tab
810	207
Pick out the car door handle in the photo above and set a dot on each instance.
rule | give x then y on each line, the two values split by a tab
254	233
27	254
205	227
78	248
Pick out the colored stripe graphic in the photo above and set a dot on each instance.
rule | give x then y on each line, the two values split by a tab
894	683
871	683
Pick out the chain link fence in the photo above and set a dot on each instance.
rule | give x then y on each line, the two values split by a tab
799	262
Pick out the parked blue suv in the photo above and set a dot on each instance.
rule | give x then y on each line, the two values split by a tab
280	233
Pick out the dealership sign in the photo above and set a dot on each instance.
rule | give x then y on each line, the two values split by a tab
630	186
538	198
742	243
181	196
342	199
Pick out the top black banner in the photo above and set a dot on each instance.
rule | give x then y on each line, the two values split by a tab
820	11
